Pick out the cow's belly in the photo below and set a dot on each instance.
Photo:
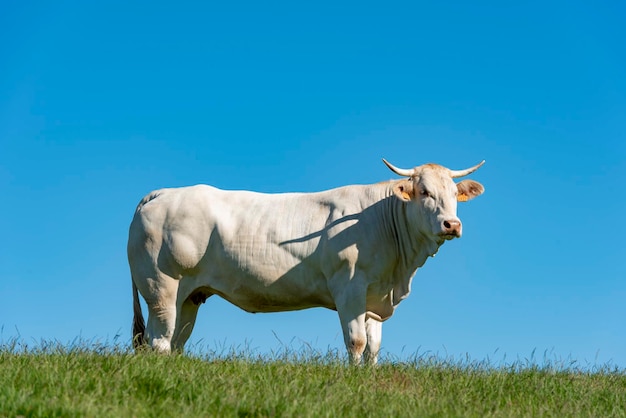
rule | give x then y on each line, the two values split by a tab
273	291
255	300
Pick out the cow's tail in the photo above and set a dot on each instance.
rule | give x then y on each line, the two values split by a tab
139	326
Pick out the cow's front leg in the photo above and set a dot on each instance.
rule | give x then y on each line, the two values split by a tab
354	335
374	331
350	302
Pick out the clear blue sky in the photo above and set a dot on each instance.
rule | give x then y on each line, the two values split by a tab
101	104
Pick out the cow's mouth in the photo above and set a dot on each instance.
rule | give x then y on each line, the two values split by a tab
448	237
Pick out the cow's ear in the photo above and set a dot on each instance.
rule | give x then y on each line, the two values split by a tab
404	190
469	189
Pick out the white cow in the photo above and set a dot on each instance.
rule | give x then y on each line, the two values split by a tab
353	249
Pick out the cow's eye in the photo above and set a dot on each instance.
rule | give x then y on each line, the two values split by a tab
426	193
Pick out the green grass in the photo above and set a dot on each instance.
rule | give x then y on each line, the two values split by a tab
97	380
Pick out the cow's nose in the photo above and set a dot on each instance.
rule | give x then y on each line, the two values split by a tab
452	227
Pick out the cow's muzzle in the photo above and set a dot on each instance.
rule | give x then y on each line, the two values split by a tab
451	229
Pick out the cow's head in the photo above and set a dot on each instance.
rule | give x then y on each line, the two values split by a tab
431	190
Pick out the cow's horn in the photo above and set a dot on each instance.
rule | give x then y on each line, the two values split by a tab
463	173
399	171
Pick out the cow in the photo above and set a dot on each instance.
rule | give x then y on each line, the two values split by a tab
353	249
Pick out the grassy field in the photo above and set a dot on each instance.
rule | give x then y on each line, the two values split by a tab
53	380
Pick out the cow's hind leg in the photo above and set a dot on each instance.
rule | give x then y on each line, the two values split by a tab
161	325
159	291
186	319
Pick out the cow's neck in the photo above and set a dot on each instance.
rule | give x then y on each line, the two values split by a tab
413	248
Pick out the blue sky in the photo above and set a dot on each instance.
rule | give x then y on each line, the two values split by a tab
101	104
